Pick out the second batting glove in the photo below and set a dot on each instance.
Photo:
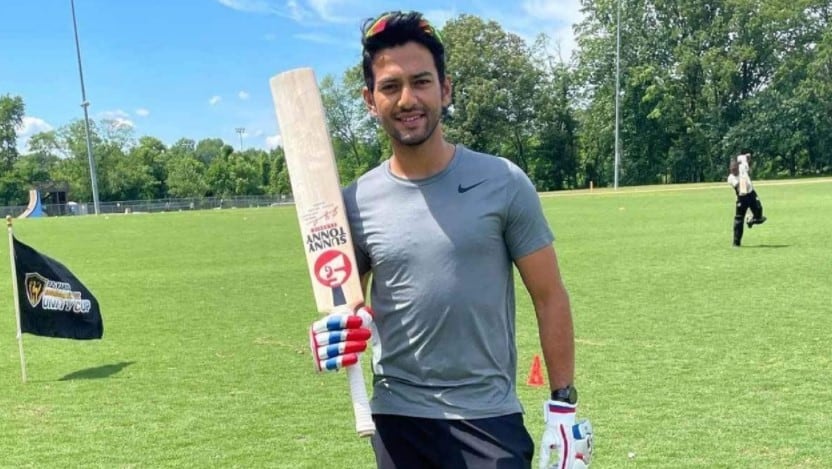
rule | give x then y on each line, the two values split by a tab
566	444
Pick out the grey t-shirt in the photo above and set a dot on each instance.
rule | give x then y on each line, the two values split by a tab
441	251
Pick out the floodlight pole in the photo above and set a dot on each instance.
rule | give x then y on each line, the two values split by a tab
241	131
85	104
617	92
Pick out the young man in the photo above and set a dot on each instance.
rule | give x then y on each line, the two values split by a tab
739	178
438	229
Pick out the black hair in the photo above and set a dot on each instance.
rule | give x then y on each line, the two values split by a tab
401	27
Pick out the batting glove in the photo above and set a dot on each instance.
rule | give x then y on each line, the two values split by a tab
337	339
566	444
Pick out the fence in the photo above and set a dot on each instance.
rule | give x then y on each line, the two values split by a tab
156	205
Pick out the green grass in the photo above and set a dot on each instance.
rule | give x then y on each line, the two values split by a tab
690	353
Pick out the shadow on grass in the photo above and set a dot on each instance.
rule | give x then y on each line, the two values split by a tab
768	246
98	372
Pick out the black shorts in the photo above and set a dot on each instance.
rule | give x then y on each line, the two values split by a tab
417	443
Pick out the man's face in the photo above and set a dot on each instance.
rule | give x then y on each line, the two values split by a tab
408	97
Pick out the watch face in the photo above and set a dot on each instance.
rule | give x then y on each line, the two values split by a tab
568	394
573	395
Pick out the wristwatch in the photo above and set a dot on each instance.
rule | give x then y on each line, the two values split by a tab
568	395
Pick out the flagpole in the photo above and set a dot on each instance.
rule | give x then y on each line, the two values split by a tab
16	297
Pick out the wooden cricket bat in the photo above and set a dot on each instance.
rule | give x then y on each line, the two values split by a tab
326	235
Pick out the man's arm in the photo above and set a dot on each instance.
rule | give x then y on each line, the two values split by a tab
541	276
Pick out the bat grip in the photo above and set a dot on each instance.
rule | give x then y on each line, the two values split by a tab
360	403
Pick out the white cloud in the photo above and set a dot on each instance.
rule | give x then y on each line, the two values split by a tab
439	17
121	123
30	126
529	18
243	95
274	141
214	100
298	10
249	6
118	119
565	11
556	18
320	39
142	112
295	11
113	115
324	8
291	9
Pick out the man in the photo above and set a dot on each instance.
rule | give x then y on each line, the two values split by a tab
438	228
739	178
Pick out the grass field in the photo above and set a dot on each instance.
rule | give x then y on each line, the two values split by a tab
690	353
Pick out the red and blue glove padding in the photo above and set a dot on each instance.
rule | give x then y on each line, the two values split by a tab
337	339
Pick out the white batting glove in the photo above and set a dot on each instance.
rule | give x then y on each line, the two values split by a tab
337	339
566	444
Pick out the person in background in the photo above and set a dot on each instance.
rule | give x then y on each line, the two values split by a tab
739	178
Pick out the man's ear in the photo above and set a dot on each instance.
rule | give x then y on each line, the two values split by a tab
369	102
447	93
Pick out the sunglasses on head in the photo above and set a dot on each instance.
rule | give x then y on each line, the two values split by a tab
380	24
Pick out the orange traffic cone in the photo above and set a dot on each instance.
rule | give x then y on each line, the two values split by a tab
535	374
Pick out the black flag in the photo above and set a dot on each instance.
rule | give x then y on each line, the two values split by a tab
53	302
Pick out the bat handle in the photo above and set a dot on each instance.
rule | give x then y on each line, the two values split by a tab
360	403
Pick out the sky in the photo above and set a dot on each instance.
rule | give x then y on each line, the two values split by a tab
198	69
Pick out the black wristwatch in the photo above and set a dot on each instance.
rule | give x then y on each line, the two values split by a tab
568	395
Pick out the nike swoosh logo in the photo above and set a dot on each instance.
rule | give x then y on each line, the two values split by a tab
463	190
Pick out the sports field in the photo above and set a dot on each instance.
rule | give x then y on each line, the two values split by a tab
690	353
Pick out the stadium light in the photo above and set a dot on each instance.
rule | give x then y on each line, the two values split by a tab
85	104
241	131
617	92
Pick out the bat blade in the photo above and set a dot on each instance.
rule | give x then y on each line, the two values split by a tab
319	203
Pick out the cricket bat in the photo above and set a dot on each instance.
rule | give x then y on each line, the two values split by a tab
326	235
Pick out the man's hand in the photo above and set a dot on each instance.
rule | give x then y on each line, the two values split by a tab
337	339
566	444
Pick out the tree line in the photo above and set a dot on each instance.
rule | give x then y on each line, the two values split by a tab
698	84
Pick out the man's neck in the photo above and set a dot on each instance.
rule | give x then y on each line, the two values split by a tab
421	161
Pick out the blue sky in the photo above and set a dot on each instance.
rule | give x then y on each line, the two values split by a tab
200	68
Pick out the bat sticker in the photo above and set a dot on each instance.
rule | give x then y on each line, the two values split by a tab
333	268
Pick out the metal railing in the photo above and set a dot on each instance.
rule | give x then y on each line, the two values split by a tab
155	205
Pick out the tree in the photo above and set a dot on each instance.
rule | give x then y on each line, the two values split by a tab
11	117
216	155
555	155
186	177
278	173
129	178
244	172
219	178
699	82
153	155
355	134
34	168
496	85
209	149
